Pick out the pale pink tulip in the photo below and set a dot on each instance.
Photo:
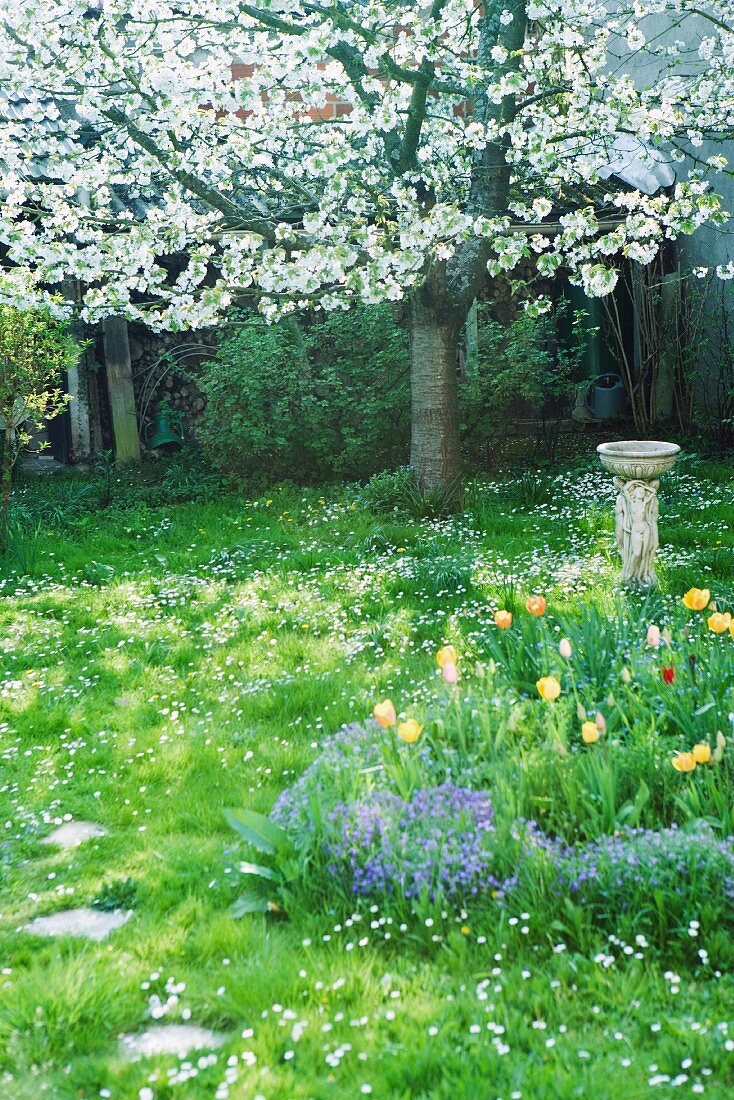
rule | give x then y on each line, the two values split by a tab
564	648
450	672
653	636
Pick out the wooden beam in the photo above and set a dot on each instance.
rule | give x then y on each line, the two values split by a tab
120	388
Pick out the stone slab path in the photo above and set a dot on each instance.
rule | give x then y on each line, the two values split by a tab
96	925
90	924
177	1039
73	833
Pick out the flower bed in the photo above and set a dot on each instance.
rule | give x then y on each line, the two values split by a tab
565	761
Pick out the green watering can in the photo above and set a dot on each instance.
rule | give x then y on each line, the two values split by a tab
164	430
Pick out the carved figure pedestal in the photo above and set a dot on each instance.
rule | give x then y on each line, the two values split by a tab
636	528
637	466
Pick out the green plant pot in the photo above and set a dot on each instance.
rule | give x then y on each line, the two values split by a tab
163	430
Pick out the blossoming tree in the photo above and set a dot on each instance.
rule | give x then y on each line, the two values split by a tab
180	158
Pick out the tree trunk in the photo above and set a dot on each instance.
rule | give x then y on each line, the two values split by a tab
435	448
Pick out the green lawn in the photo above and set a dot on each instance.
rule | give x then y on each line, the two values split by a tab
162	663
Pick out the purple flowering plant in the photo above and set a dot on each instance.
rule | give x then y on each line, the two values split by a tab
392	820
437	844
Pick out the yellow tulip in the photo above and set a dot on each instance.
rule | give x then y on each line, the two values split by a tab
701	753
590	733
409	731
684	761
548	688
696	599
384	713
503	619
719	622
446	656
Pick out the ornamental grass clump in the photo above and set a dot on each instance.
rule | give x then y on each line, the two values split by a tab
439	844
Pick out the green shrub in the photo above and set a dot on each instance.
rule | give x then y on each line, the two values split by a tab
35	349
359	392
523	369
329	398
396	491
254	391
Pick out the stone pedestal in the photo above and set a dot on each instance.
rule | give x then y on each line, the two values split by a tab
637	465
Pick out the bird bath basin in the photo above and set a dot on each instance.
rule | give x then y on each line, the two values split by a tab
634	458
637	464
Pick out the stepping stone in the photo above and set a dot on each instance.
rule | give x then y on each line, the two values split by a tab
91	924
177	1039
73	833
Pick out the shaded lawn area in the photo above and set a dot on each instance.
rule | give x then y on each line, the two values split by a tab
163	663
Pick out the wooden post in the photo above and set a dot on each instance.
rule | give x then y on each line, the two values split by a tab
120	388
80	445
669	307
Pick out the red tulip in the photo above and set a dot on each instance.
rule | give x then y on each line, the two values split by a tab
669	675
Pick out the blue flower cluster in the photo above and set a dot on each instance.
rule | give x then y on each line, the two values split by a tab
345	816
439	843
614	871
344	756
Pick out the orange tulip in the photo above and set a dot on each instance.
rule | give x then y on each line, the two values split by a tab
696	599
384	713
684	762
535	605
548	688
719	622
503	619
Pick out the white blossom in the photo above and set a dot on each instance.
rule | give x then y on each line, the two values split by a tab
177	159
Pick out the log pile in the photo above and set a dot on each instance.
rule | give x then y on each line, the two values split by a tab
164	371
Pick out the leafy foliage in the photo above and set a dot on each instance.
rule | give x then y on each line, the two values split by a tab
35	348
328	400
119	894
524	368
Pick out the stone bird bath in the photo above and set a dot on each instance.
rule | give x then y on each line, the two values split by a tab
637	466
